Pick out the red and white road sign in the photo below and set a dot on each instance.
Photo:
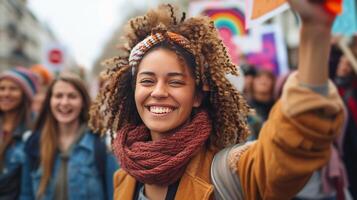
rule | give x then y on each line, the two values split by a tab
55	56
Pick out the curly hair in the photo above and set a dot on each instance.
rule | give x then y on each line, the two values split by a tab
115	106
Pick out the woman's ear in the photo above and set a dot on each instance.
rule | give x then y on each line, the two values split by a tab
198	99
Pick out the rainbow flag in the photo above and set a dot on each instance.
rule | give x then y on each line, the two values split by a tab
231	19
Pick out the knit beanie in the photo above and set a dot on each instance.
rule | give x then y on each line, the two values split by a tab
44	74
26	79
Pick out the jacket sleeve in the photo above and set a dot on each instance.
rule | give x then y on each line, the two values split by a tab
26	192
294	142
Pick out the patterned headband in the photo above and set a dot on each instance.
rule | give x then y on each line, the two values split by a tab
142	47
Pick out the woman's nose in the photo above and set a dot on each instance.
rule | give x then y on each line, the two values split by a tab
64	100
159	91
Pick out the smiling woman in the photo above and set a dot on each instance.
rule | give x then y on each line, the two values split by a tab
17	89
66	104
10	95
171	109
62	153
164	96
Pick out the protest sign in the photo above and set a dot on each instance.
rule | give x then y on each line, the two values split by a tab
273	55
229	19
259	11
346	23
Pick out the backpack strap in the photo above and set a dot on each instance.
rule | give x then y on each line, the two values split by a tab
100	158
32	150
225	180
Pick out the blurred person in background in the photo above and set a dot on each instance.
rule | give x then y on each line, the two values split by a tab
249	72
45	77
263	93
254	120
261	98
65	160
18	86
346	81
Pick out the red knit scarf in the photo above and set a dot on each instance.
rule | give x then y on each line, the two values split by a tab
160	162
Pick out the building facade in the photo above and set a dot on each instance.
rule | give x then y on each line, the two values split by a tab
22	36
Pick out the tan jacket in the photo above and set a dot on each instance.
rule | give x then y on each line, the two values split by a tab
294	142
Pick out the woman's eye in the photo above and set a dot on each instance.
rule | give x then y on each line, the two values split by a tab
73	96
146	81
57	96
176	83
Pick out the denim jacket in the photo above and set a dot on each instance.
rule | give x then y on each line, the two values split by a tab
14	155
84	180
13	160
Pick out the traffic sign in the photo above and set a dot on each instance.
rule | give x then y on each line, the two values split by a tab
55	57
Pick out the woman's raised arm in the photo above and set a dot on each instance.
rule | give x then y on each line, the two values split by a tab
295	141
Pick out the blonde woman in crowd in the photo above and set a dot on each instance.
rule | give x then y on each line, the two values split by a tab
65	160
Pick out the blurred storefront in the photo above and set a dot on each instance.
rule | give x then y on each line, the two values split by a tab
22	36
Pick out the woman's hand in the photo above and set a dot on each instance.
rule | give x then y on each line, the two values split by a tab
313	12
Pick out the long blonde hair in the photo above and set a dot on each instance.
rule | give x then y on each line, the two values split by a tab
48	126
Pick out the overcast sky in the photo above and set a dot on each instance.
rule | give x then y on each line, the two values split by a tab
84	26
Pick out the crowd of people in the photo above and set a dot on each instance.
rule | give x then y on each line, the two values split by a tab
262	89
178	128
47	149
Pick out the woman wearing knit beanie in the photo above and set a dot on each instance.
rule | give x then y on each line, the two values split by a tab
17	89
171	110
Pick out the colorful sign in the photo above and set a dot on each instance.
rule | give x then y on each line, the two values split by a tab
346	23
273	55
230	23
259	11
262	7
262	46
229	19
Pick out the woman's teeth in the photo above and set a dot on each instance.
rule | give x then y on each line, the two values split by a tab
64	112
160	110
